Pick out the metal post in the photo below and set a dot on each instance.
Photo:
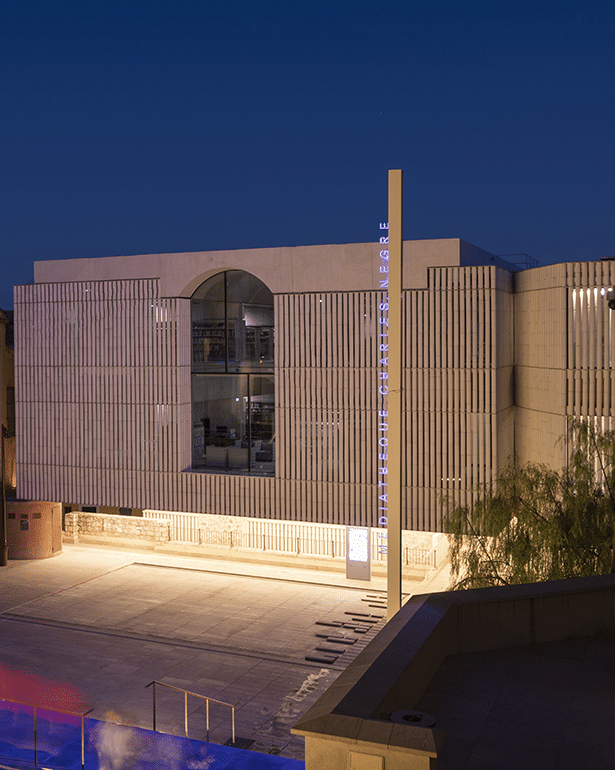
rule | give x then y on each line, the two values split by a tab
154	693
233	719
186	713
207	716
394	394
35	740
82	742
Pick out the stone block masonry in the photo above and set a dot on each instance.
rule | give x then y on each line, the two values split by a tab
105	528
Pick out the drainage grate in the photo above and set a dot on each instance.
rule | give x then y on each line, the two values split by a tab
240	743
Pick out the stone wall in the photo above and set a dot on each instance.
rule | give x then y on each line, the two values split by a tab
317	546
103	527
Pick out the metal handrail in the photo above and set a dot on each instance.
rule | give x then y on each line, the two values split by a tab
196	695
55	711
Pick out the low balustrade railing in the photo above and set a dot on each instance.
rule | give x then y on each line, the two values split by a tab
54	711
196	695
285	537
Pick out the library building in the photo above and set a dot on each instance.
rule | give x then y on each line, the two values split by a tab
243	386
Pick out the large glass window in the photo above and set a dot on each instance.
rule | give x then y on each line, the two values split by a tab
233	426
232	324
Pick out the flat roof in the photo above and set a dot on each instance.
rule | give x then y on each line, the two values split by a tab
540	707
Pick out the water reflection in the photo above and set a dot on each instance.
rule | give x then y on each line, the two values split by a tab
120	747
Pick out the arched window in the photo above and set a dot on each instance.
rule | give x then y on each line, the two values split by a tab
233	425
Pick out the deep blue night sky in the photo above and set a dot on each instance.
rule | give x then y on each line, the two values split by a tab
134	126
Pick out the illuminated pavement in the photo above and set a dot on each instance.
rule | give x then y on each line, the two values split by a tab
110	621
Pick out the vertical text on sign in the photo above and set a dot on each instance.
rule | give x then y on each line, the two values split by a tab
383	390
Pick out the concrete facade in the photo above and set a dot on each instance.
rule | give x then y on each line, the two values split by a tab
564	335
495	361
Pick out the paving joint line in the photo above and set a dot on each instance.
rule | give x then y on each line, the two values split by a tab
256	577
66	588
273	657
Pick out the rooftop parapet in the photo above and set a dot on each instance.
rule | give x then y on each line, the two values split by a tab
350	726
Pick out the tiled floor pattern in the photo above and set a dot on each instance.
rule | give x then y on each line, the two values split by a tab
257	616
233	638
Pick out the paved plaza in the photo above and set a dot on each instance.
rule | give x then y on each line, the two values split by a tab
109	621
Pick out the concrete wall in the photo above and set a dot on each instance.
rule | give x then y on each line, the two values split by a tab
104	382
292	269
564	345
394	670
493	365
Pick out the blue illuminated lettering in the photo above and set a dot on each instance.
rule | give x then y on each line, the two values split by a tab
383	390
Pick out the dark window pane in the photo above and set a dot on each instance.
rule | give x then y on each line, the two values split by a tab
262	423
250	323
219	422
233	428
209	326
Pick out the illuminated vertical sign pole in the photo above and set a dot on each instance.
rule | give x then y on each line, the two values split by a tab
395	393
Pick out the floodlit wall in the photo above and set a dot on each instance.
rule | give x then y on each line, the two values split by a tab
103	388
564	335
103	411
457	389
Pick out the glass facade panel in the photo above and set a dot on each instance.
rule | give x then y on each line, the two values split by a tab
250	323
232	375
219	411
209	337
262	424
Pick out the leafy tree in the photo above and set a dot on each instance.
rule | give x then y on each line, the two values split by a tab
533	523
